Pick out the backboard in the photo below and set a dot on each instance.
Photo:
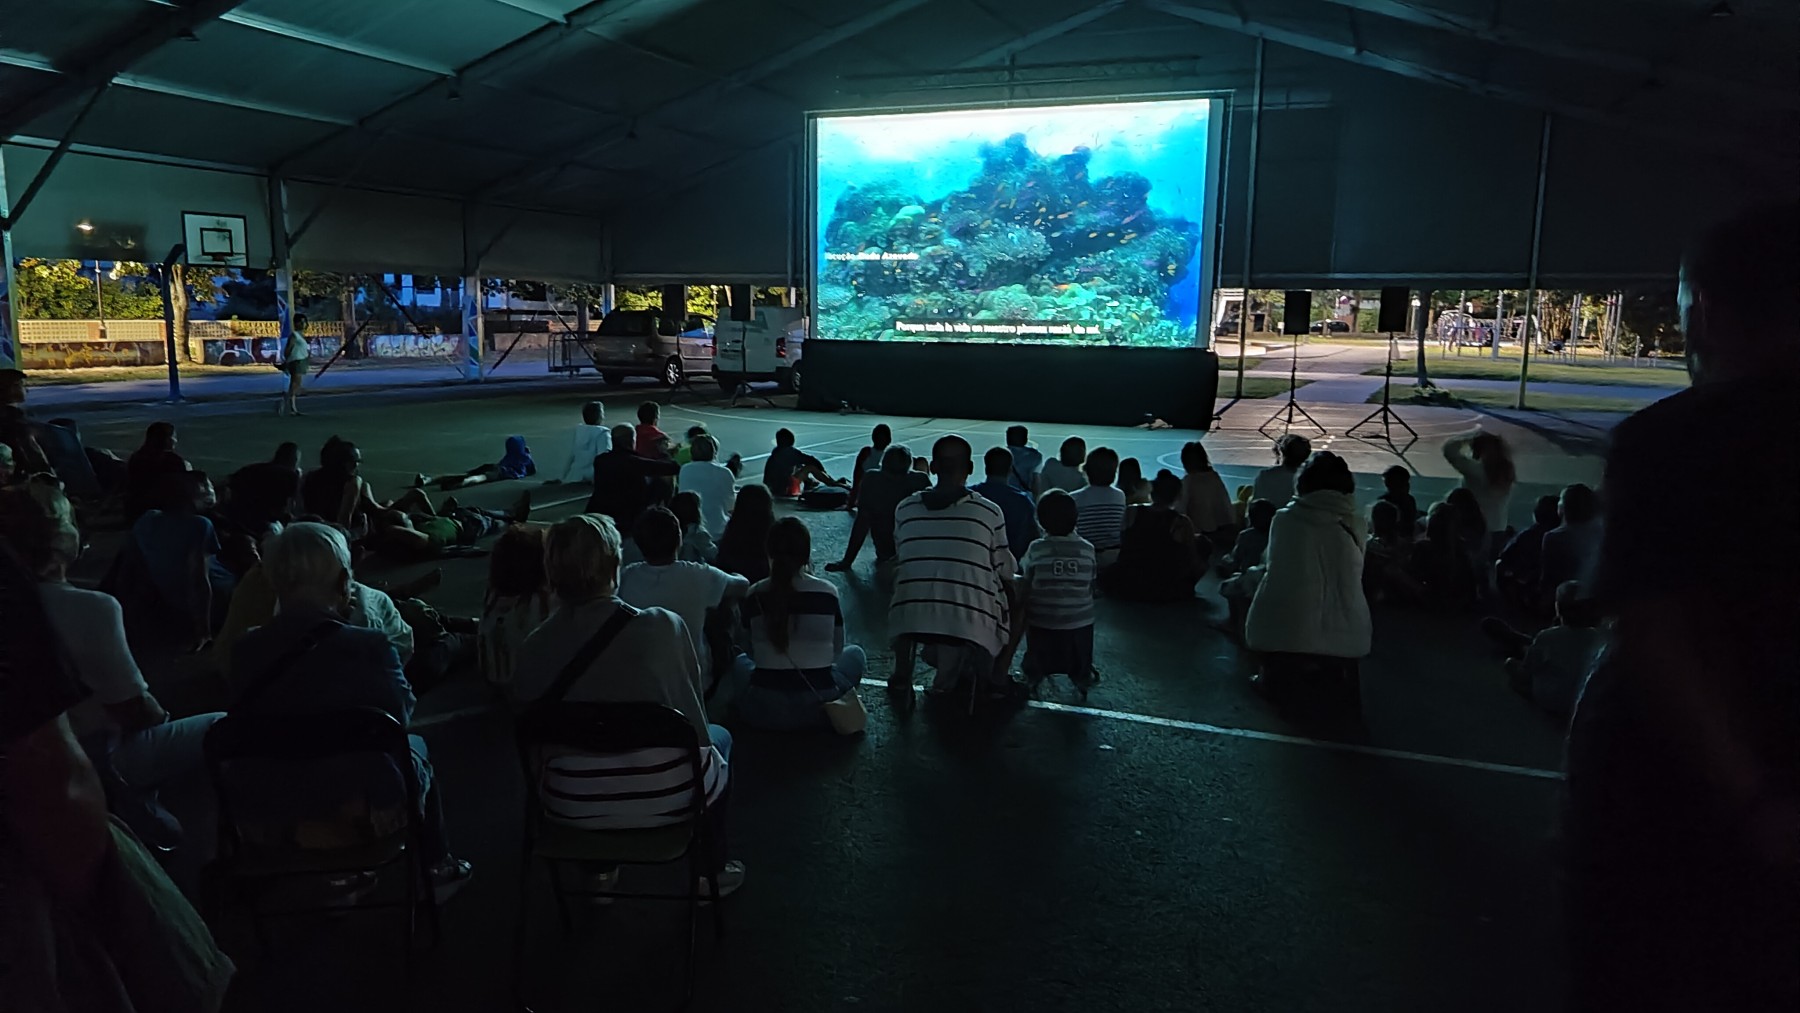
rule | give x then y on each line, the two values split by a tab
215	240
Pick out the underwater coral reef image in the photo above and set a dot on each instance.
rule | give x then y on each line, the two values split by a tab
1055	224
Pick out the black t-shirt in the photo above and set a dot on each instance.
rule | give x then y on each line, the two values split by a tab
779	470
1667	908
622	485
261	493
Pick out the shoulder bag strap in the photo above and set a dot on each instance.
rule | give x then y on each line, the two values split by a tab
578	664
288	660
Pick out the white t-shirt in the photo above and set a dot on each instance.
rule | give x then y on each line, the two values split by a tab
716	485
371	607
505	623
1100	516
91	627
590	442
1275	485
1057	475
686	589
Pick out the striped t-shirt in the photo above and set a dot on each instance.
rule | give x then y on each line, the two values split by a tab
1100	516
1059	582
815	635
953	565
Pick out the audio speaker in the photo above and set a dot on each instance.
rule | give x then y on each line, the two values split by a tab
674	303
1395	302
1296	313
742	296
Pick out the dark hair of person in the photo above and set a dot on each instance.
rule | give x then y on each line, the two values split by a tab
176	490
289	451
1165	488
1073	452
1131	473
1294	450
516	567
299	320
897	459
1194	456
1579	504
1467	510
1384	519
648	412
1017	436
998	461
159	436
952	449
1749	267
695	432
1102	466
590	413
748	529
1056	512
1546	512
657	534
686	508
1496	461
1261	513
784	437
1324	471
1396	478
789	546
881	435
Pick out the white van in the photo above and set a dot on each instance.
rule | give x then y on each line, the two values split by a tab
766	347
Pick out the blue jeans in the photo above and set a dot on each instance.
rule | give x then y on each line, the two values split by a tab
714	838
778	709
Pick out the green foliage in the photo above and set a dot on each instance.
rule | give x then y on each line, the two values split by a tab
63	290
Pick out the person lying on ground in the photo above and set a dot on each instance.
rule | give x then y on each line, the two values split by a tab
516	462
622	480
414	528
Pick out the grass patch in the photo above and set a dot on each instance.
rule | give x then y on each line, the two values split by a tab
1534	401
1481	367
116	374
1255	386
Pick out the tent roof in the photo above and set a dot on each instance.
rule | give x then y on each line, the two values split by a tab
580	107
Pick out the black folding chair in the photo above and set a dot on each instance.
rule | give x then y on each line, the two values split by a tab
239	743
603	729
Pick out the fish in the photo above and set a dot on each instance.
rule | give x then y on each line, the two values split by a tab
986	222
1130	216
1065	214
1129	235
1109	235
1053	235
1171	269
1082	204
1039	221
1093	235
1115	302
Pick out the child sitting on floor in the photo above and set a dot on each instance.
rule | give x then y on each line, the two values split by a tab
1548	669
1247	551
1058	597
696	542
1387	559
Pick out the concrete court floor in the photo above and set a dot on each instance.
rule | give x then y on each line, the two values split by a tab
1172	845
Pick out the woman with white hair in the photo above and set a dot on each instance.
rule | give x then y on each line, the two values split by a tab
309	659
120	724
624	656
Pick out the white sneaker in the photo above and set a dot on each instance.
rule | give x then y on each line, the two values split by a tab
730	878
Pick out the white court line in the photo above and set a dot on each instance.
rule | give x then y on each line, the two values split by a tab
1291	740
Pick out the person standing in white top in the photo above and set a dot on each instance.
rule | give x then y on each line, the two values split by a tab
689	590
1100	506
952	584
591	439
296	358
1486	466
711	481
1276	484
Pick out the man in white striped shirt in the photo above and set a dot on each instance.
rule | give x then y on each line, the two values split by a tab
952	587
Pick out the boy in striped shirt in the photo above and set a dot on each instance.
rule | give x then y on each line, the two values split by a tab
1058	590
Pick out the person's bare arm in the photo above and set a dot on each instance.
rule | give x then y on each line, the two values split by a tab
56	810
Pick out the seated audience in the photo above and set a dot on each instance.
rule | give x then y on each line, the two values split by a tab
952	588
648	439
1251	542
336	492
6	465
1132	483
263	495
1309	621
1572	548
1276	483
179	548
1520	568
796	636
15	427
590	440
1101	506
1398	491
1015	504
623	480
515	462
146	467
1057	597
1549	668
1449	558
1027	459
124	729
307	659
1204	499
1160	558
517	602
869	458
1485	463
690	590
1387	560
697	544
649	659
790	470
1065	472
882	494
75	464
742	547
713	482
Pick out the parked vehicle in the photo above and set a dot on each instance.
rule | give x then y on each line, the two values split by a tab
1331	327
650	343
768	346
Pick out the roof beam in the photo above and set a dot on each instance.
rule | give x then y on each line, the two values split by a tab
116	51
1547	45
1031	40
707	98
287	30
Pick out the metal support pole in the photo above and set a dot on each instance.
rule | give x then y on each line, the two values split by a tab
473	328
284	274
1537	242
1499	319
1256	113
169	281
9	331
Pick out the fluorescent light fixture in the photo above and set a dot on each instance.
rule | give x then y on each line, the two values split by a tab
85	226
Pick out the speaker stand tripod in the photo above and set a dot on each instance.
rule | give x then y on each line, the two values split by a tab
1386	413
1292	408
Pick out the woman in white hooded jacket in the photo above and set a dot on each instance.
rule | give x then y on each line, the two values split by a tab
1311	599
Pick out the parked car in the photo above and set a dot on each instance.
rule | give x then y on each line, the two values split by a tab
768	346
651	343
1331	326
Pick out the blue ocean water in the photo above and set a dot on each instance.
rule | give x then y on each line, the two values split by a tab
932	153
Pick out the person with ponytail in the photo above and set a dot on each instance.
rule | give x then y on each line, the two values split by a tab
796	629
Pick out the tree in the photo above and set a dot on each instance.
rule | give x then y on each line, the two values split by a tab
53	290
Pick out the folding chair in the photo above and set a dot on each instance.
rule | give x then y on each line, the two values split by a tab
610	729
241	741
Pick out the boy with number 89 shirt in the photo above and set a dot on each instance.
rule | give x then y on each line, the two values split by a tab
1058	592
